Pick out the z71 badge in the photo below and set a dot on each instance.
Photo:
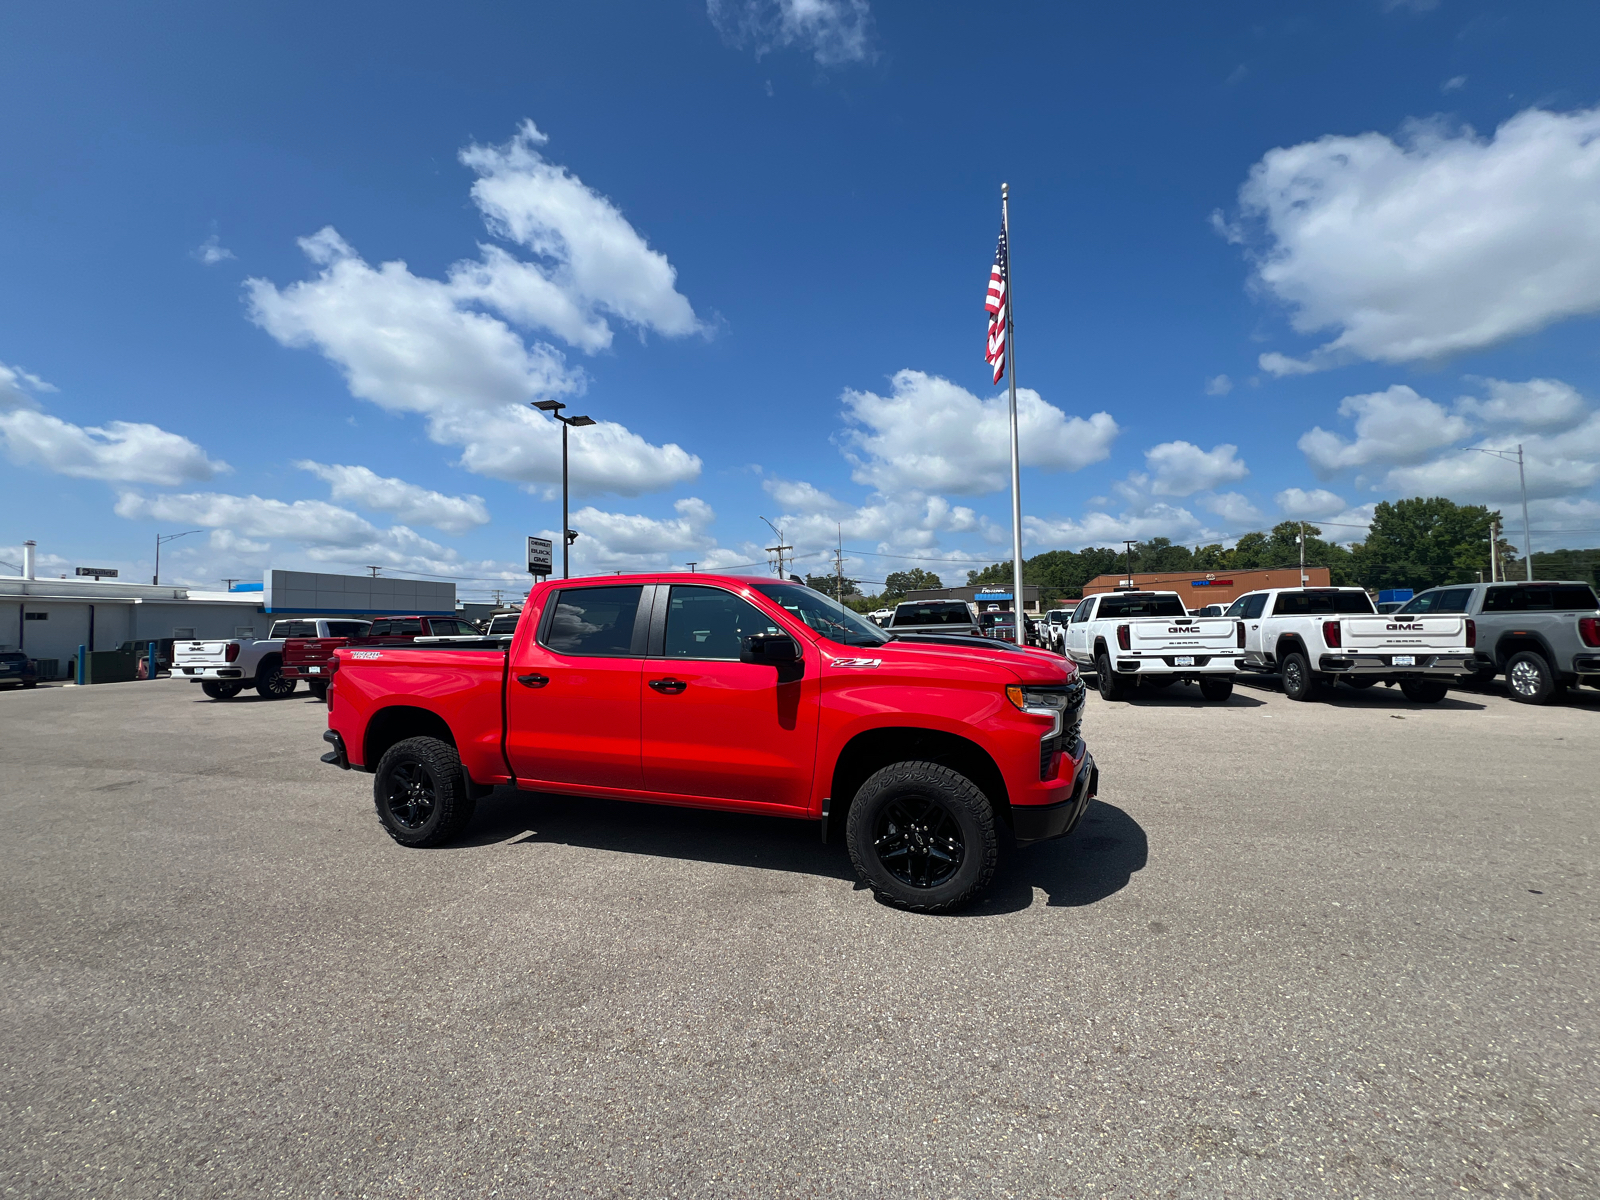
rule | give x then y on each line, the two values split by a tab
858	662
366	654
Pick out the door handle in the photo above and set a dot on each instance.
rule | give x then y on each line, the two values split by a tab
668	687
533	681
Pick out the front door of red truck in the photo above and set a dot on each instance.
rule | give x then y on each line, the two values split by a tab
714	727
572	703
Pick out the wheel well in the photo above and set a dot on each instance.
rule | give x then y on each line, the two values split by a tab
1099	645
868	752
396	724
1289	643
1511	643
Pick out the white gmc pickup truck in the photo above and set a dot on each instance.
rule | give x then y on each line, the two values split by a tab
1148	639
225	666
1312	636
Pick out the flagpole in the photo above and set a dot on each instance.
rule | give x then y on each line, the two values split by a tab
1016	467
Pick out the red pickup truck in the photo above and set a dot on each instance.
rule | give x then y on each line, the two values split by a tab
308	648
724	692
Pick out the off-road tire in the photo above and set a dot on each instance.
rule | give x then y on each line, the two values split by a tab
1111	688
922	803
221	689
319	691
1529	679
271	682
1360	682
1298	681
1216	687
420	793
1425	691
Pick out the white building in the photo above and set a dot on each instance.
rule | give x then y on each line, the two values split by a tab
48	619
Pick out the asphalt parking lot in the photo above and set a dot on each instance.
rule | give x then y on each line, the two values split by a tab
1342	949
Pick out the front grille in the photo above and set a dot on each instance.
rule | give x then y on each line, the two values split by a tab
1071	725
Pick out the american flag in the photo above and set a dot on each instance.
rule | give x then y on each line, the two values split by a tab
996	306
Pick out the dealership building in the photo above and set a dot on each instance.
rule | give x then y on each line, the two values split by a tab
1200	588
48	619
999	596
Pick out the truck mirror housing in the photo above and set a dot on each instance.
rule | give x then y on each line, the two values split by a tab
769	649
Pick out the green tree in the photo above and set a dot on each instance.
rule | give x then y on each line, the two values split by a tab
829	585
915	580
1423	542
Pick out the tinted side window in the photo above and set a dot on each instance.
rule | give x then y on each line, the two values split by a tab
447	628
594	621
707	622
1425	603
1540	599
1082	612
1300	604
346	628
405	628
380	628
1255	606
1453	601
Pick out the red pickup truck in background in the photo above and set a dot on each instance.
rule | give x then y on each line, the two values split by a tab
308	648
724	692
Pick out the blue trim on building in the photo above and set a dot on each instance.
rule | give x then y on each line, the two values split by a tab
361	612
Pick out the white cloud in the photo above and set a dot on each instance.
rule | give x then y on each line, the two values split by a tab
1105	529
595	259
117	452
418	345
417	505
1219	385
1393	426
1559	464
1454	84
1299	503
17	387
834	31
1535	404
798	496
1232	507
211	252
1182	468
1434	245
929	434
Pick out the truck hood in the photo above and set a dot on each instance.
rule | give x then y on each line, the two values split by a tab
1008	664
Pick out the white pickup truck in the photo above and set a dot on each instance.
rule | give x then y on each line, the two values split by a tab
1312	636
226	666
1148	639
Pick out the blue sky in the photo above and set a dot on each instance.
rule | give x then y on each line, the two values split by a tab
290	276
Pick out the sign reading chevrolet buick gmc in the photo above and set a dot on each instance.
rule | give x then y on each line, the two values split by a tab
99	572
539	555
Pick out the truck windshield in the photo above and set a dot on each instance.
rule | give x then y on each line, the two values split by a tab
828	617
932	614
1319	603
1148	604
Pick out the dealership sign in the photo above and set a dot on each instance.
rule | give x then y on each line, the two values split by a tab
539	556
99	572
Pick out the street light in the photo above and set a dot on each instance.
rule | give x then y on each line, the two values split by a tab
1527	533
568	535
167	537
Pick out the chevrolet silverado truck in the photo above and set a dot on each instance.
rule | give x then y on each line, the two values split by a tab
1314	636
1544	637
223	667
309	645
723	692
1149	640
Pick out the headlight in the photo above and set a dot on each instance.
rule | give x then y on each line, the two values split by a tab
1026	698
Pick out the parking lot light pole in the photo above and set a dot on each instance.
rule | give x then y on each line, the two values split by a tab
167	537
568	534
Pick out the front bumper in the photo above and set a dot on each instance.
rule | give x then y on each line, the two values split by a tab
1038	823
1423	665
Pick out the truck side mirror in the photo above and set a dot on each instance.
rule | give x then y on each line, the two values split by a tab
769	649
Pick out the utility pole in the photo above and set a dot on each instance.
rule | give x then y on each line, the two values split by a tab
838	561
1494	548
1302	554
227	584
1522	477
692	566
779	548
1127	545
162	538
374	570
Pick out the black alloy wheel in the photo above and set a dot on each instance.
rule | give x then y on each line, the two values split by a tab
1216	687
271	682
922	836
1298	681
221	689
918	841
1106	679
420	792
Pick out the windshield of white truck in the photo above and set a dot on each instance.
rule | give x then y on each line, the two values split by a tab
1136	604
932	614
828	617
1318	604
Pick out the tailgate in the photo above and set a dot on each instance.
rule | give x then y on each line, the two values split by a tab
1376	634
1211	635
200	654
309	652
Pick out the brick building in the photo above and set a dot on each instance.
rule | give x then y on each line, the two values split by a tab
1199	588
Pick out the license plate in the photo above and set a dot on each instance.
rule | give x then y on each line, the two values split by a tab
1405	660
314	670
1184	660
